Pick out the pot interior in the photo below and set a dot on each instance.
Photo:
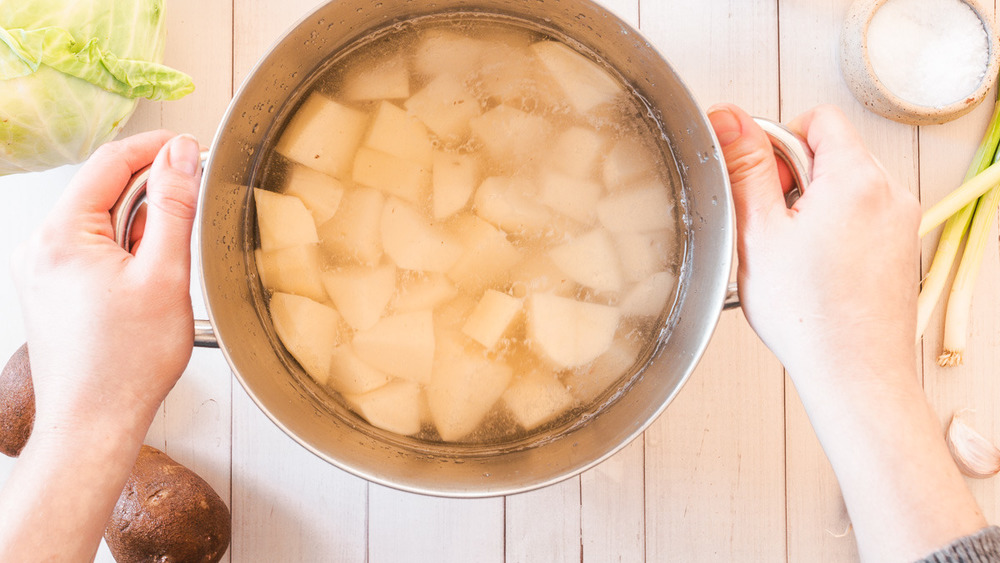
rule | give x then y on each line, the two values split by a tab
307	413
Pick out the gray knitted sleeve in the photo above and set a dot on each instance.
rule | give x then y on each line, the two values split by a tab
981	547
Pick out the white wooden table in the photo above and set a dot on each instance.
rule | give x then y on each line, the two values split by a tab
731	472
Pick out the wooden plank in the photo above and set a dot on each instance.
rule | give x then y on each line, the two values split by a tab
544	525
945	153
818	526
613	508
405	527
715	460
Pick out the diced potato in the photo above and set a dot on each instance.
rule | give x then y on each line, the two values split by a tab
511	135
393	175
319	192
486	257
415	243
323	135
646	209
649	297
590	260
628	162
509	204
387	79
567	332
572	197
577	152
283	221
423	292
536	398
354	232
453	314
361	293
539	274
446	107
586	383
399	134
585	84
309	330
643	254
455	177
350	375
491	318
293	270
400	345
394	407
441	51
463	388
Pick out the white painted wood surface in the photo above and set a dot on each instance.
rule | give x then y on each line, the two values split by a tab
732	471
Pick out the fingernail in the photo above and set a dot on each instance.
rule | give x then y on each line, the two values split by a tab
727	126
184	154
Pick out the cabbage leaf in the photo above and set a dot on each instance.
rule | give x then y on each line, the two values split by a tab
71	72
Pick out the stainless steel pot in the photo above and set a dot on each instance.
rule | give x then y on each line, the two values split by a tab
240	326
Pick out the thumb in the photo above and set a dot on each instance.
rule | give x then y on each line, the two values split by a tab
171	198
753	171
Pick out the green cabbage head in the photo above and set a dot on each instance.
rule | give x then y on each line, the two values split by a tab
71	73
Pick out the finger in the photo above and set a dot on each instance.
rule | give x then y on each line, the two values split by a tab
99	183
171	198
837	147
137	229
750	161
785	176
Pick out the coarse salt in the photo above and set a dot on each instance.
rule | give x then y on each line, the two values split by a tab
928	52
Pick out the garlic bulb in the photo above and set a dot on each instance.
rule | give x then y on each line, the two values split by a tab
975	456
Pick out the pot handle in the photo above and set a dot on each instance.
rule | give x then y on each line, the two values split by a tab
123	214
793	149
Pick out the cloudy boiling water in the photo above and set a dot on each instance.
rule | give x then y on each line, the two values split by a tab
499	77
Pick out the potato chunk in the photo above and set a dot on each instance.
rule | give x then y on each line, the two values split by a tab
393	175
586	383
463	388
536	398
649	297
319	192
323	135
585	84
628	162
572	197
590	260
295	269
646	209
423	292
577	152
361	293
395	407
309	330
399	134
400	345
569	333
455	177
491	318
441	51
486	257
415	243
643	254
350	375
387	79
446	107
511	135
539	274
283	221
509	204
354	232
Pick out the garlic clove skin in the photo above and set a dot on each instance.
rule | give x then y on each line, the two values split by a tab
975	456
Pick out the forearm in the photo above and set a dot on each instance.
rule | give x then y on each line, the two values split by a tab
904	494
64	486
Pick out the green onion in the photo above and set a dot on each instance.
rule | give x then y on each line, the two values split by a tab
956	324
955	228
956	200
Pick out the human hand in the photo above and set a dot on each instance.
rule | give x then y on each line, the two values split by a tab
110	332
831	281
